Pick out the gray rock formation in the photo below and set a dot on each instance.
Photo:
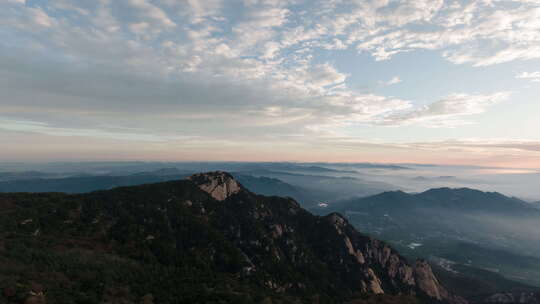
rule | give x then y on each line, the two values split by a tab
220	185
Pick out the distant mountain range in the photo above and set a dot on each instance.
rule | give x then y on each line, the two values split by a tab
82	184
325	187
461	229
365	166
308	188
22	175
43	182
127	167
206	239
461	200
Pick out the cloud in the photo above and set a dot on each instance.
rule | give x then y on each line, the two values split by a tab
17	1
46	129
213	69
324	75
481	33
447	111
392	81
494	145
150	11
200	11
531	76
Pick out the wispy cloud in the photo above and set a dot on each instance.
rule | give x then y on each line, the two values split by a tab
212	68
448	111
394	80
103	133
531	76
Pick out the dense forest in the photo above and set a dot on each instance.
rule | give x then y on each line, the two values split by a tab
174	243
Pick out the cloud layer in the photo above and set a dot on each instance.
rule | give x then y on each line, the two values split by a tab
166	70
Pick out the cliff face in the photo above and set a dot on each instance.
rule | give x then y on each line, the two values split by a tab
209	231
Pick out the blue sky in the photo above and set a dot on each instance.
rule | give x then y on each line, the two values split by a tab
428	81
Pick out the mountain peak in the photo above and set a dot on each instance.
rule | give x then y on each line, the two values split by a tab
263	247
220	185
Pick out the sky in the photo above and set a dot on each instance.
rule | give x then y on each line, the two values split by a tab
422	81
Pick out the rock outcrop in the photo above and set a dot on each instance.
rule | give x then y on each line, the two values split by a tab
220	185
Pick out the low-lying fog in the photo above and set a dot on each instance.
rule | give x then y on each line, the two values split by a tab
521	183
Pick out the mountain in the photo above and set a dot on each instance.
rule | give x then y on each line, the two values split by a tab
206	239
379	166
83	184
275	187
472	200
293	167
325	187
314	183
17	175
459	199
165	172
456	228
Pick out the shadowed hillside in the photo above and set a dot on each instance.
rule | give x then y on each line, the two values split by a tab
202	240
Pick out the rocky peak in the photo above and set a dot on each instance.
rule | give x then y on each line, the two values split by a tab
220	185
426	280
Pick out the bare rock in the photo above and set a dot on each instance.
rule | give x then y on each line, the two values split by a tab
426	280
373	284
220	185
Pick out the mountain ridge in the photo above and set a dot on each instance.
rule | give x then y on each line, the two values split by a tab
466	198
260	245
455	226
